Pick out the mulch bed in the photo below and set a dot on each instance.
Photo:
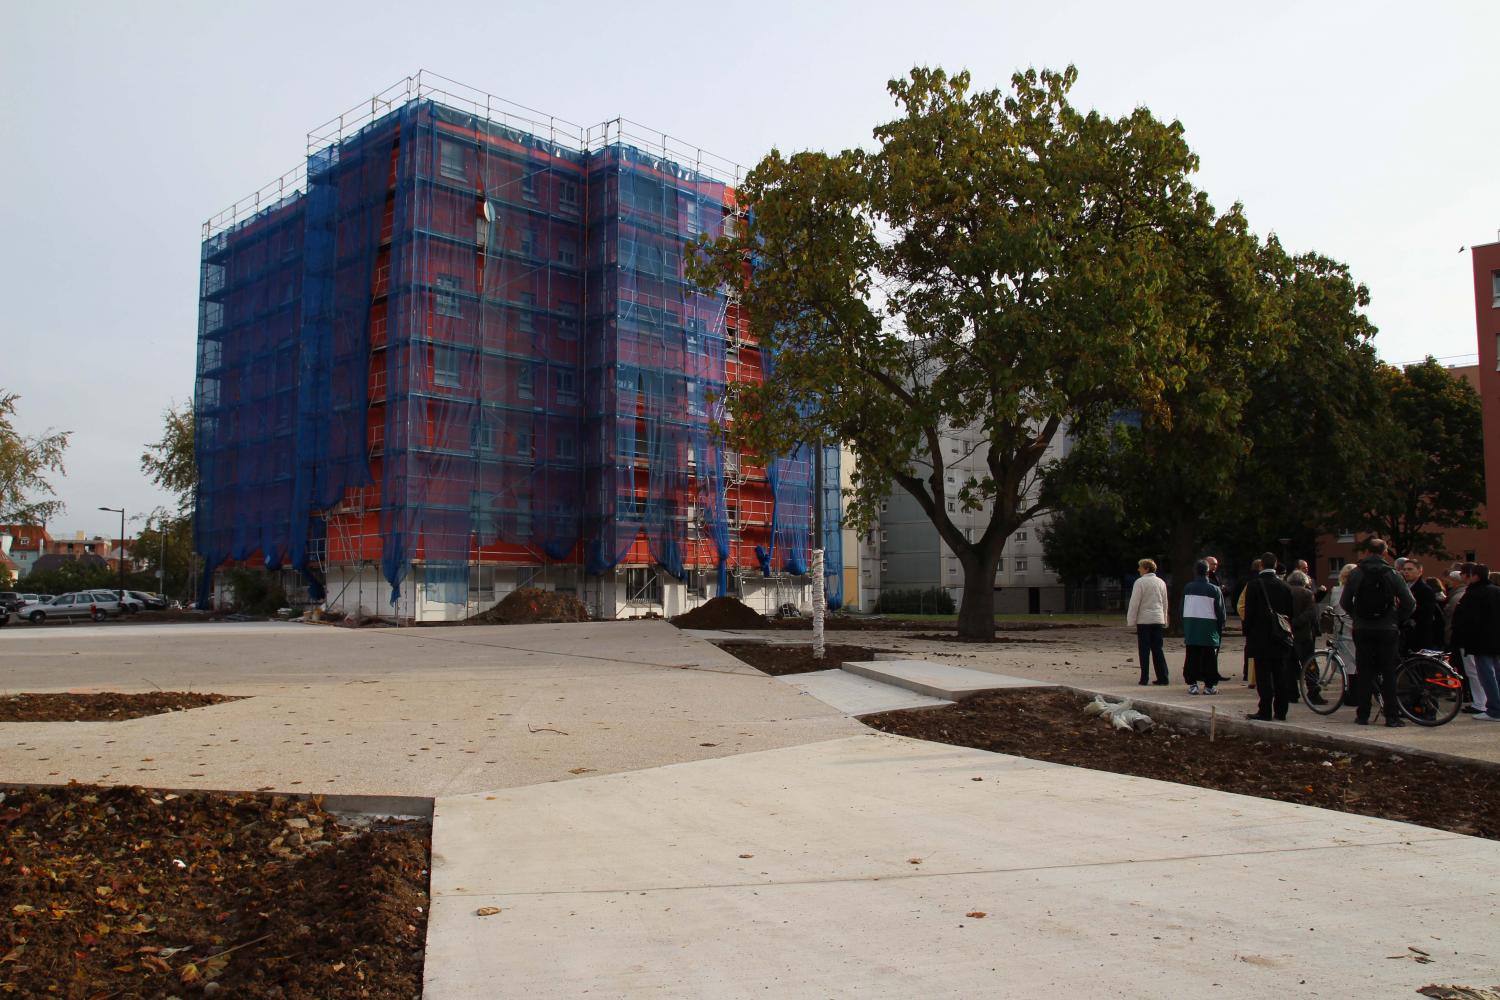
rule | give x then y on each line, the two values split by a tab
955	637
127	892
721	613
107	706
778	660
1048	724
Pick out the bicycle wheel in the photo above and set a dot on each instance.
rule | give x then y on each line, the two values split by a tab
1429	691
1322	682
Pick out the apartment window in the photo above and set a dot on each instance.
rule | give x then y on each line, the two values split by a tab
565	446
1021	535
528	184
567	195
523	517
485	526
450	159
952	507
523	443
952	570
642	585
446	302
1020	565
482	438
1345	535
523	317
528	242
885	505
567	253
884	564
524	385
1495	288
445	366
1334	565
482	580
883	536
567	321
564	384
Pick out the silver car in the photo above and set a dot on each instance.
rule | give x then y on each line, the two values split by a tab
95	604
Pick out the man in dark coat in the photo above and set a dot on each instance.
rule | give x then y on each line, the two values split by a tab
1376	632
1266	596
1425	630
1476	629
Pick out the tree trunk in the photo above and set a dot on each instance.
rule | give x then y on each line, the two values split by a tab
1180	556
976	613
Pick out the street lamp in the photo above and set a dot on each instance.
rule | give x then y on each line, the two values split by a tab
121	512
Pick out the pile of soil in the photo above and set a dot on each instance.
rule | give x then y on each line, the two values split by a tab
104	707
721	613
778	660
530	606
1048	724
126	892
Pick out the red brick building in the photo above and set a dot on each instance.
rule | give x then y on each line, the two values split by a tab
1487	330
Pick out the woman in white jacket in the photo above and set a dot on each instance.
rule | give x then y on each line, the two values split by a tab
1148	613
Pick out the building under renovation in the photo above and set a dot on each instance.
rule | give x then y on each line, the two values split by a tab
457	353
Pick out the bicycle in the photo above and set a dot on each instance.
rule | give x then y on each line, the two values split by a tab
1429	691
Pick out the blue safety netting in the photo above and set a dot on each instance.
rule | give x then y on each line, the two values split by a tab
485	338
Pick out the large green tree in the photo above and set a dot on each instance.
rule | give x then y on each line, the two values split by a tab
1429	472
1267	442
26	497
1000	263
166	543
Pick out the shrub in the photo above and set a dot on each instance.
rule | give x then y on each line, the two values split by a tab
932	601
256	592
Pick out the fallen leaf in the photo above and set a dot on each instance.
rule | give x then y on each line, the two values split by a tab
579	770
976	914
21	909
487	911
747	855
14	954
914	861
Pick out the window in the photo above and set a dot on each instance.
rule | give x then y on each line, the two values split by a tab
567	195
1345	535
1334	565
883	565
450	159
952	570
445	366
482	580
1470	556
523	443
446	302
482	437
1495	288
523	517
528	184
567	253
1021	535
485	526
1020	565
642	585
523	317
565	446
524	380
885	505
883	536
528	242
564	384
952	508
567	321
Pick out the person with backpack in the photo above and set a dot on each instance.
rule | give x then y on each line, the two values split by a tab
1378	601
1476	629
1268	640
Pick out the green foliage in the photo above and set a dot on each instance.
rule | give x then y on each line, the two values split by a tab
933	601
1429	474
1001	263
1092	541
257	591
169	462
80	575
24	464
180	560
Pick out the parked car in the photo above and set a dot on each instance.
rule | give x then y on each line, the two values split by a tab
151	602
84	604
124	605
4	617
10	600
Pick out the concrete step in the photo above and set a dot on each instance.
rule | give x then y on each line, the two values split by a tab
855	695
937	680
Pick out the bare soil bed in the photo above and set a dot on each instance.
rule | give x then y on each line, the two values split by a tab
850	623
955	637
1048	724
106	706
778	660
127	892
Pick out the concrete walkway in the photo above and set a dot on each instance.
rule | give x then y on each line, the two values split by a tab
599	783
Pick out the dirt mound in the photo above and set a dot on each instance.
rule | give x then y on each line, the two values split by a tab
530	606
721	613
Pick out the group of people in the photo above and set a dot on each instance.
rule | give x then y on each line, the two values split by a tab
1383	607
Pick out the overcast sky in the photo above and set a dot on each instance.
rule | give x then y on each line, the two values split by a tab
1365	131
